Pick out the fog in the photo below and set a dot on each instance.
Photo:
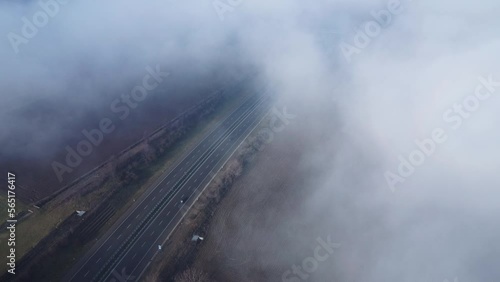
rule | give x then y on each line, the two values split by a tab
60	76
440	222
363	111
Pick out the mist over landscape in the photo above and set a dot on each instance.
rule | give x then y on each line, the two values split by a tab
392	151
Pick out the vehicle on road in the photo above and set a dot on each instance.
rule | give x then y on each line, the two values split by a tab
184	199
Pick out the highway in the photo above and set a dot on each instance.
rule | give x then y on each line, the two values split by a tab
126	250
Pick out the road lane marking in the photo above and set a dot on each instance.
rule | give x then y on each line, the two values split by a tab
198	196
169	212
239	108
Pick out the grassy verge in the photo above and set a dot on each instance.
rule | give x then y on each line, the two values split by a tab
43	221
182	250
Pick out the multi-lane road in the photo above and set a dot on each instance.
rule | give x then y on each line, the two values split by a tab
126	251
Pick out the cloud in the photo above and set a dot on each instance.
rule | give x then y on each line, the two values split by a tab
360	115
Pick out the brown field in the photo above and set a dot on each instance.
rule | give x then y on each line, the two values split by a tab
243	243
255	230
44	220
261	226
36	178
